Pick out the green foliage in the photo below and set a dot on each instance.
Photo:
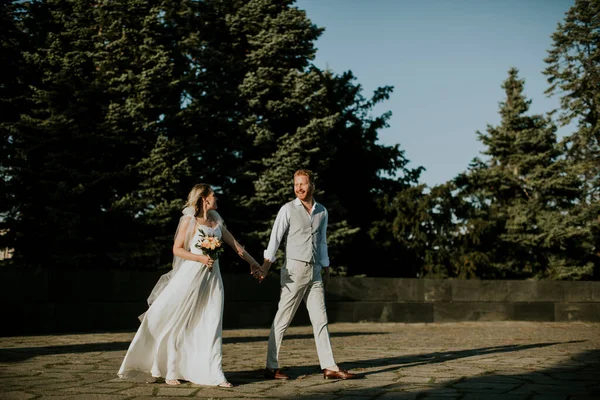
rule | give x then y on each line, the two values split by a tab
520	202
113	110
126	104
55	164
13	98
92	113
573	72
151	208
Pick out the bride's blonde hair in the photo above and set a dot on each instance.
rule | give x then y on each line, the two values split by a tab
198	193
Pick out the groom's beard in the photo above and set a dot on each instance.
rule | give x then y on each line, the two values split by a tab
306	196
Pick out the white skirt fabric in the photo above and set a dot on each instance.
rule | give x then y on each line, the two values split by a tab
180	336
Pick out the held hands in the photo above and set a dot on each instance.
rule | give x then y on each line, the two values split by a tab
261	272
255	269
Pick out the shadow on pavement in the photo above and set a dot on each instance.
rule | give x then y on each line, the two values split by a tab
252	339
562	381
16	354
399	362
396	363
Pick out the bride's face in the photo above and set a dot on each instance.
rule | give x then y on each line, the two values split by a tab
211	202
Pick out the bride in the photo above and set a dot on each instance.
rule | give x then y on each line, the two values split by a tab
180	336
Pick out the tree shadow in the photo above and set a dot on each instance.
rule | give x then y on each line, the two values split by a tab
562	381
252	339
396	363
16	354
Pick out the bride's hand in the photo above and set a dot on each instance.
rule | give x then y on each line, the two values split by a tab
256	271
254	267
209	262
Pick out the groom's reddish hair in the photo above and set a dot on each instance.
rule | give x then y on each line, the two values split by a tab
305	172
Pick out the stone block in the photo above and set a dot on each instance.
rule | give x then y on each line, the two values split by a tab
409	290
576	292
94	316
255	314
472	311
244	288
522	291
551	291
374	312
375	289
388	312
340	311
118	316
65	285
577	312
412	312
335	290
26	318
437	290
479	290
24	284
131	286
75	316
534	312
596	292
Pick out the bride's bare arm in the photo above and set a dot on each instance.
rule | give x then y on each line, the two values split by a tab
239	249
180	251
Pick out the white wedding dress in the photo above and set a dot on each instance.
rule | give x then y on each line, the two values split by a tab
180	336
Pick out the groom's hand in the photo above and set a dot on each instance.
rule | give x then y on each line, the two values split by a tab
255	269
264	270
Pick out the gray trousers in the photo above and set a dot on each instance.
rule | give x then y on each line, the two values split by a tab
301	281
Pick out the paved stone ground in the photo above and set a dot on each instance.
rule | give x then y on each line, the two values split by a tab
470	360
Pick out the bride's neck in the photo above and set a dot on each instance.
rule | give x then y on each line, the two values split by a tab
202	219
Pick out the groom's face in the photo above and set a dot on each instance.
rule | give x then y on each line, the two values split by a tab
303	188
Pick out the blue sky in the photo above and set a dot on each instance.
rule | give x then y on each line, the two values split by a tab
446	60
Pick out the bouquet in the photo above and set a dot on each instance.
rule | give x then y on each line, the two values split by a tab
210	245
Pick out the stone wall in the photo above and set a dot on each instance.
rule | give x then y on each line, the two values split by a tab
429	300
45	301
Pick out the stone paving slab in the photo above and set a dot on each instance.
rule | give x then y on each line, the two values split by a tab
467	360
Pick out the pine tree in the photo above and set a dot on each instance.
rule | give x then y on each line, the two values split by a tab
519	220
55	140
284	115
418	231
13	98
573	73
301	117
123	91
351	149
98	81
153	207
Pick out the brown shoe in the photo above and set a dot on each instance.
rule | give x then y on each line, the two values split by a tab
275	374
341	374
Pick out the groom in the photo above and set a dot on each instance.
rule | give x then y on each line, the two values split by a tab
303	222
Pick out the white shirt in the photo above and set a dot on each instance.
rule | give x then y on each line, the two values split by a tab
280	227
